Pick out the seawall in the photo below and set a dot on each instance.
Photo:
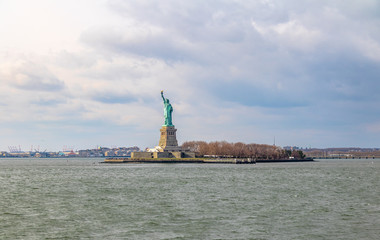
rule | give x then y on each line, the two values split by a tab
200	160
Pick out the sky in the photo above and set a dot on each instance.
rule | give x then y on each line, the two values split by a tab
85	73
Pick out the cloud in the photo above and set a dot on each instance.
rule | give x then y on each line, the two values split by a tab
111	98
48	101
291	34
373	127
32	77
288	60
149	43
232	69
74	60
251	95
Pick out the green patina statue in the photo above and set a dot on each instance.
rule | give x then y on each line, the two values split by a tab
168	109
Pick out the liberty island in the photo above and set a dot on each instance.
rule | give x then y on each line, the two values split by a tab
168	150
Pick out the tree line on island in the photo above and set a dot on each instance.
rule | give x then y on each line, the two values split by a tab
240	150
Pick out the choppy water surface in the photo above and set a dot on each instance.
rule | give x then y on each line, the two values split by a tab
82	199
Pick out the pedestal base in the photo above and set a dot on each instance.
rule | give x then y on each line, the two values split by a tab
167	154
168	139
167	147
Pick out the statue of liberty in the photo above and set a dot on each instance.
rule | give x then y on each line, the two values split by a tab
168	109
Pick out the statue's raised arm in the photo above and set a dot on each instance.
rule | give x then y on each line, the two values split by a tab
162	95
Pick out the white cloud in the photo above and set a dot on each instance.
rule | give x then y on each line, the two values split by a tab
369	47
220	63
291	34
31	77
373	127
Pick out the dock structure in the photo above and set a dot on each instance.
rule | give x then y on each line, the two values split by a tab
347	157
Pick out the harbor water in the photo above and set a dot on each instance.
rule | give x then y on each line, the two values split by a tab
85	199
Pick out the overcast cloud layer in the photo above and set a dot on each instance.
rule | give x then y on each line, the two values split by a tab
85	73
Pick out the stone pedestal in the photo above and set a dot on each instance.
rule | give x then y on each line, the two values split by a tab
168	139
167	147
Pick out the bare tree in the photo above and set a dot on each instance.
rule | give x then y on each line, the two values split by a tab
240	150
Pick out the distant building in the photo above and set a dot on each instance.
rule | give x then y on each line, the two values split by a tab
108	152
291	148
